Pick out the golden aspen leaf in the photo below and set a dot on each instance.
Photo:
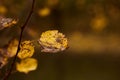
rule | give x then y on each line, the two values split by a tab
3	61
7	22
27	65
44	12
12	47
2	52
3	9
26	49
3	58
53	41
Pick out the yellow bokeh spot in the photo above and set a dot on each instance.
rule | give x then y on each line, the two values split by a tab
53	41
27	65
3	9
99	23
26	50
52	2
12	48
44	12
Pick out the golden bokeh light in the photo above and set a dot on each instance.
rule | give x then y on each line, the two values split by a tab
44	12
99	23
3	9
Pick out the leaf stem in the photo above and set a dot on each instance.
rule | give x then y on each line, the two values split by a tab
7	75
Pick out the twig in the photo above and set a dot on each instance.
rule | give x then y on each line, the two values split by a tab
20	38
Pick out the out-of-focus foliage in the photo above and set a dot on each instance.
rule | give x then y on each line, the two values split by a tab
3	9
99	23
3	61
53	41
12	47
6	22
7	52
32	32
3	58
52	3
26	49
27	65
44	12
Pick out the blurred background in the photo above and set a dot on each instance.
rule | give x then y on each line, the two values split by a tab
91	26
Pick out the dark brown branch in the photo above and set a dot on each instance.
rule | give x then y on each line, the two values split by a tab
6	77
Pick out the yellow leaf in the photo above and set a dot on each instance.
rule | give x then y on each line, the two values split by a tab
27	65
12	48
3	58
53	41
26	50
3	61
7	22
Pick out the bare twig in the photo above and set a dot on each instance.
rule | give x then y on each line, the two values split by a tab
20	38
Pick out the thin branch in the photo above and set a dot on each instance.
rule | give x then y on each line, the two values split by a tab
6	77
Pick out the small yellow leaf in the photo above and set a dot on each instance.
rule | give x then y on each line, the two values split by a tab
26	49
7	22
53	41
3	58
3	61
12	48
27	65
